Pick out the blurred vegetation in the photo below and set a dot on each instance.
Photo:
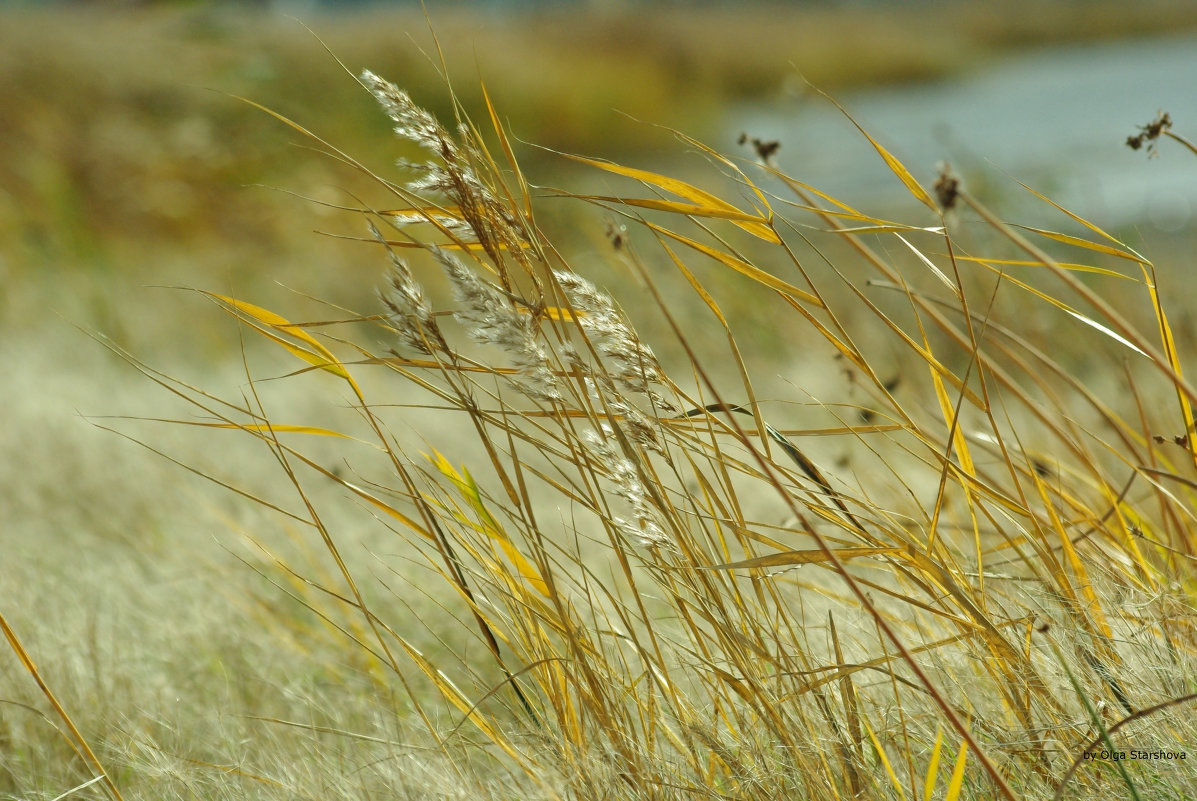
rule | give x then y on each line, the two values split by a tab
119	129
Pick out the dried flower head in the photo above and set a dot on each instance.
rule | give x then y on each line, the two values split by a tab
411	121
1150	133
492	317
410	314
634	367
644	528
452	173
947	187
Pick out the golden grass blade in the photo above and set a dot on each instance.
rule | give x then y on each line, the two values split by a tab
456	697
801	187
265	427
731	340
741	266
469	490
950	417
1076	241
710	205
956	784
933	766
676	207
879	750
891	161
505	143
1091	607
319	355
1092	227
1077	268
725	161
1064	307
556	313
79	741
1173	356
383	506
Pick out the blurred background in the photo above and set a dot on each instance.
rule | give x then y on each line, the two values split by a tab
126	159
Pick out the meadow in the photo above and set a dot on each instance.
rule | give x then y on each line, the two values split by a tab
575	456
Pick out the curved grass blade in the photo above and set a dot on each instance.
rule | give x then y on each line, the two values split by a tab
1078	268
891	161
741	266
957	781
490	526
933	766
318	355
710	204
1077	241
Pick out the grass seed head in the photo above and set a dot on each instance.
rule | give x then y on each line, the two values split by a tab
492	317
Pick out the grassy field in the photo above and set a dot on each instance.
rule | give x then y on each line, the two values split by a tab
678	482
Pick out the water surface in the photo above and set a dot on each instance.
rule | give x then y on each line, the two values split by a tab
1056	119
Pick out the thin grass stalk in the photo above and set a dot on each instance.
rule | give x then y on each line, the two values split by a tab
79	743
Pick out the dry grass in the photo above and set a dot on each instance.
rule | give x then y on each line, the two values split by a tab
517	554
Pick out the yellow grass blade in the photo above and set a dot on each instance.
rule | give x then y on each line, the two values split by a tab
933	766
1078	218
523	566
959	443
79	744
1083	243
709	204
456	697
490	526
891	161
1173	357
318	356
741	266
880	751
725	161
957	780
1077	268
508	152
1064	307
264	428
805	187
695	284
389	510
1091	609
556	313
676	207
